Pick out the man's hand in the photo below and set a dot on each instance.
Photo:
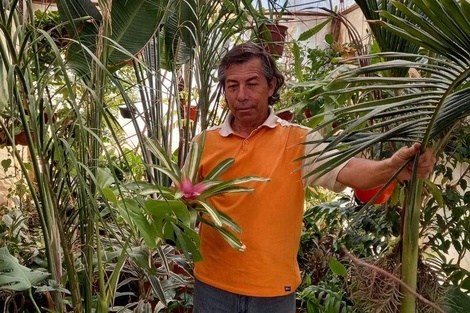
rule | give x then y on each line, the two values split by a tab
426	161
367	174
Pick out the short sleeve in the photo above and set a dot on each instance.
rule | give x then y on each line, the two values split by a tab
328	179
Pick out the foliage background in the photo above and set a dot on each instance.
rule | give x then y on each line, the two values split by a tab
85	206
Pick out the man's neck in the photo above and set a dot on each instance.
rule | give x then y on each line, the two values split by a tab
242	130
245	130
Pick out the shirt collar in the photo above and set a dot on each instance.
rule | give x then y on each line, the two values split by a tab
226	128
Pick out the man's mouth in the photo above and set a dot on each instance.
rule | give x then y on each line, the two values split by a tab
244	110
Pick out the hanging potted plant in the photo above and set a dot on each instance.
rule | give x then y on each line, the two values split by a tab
275	36
13	131
267	30
287	115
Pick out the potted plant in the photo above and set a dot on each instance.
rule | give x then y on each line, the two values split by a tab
267	29
191	110
287	115
273	34
126	112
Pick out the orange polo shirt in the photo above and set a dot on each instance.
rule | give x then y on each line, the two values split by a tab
270	217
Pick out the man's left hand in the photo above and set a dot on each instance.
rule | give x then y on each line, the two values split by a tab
426	161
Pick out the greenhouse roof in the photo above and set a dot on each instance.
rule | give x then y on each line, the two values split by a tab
307	5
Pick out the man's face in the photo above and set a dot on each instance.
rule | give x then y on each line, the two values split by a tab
247	92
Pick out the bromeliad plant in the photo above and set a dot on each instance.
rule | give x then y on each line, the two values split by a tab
173	213
164	216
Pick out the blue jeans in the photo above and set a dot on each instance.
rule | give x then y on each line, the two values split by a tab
208	299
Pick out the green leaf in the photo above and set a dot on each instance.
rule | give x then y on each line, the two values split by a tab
297	62
309	33
173	49
182	213
225	189
104	178
229	222
228	186
229	237
188	22
73	10
169	232
134	215
466	283
212	212
16	277
436	192
145	188
221	168
457	301
161	207
186	243
167	165
109	195
329	39
158	288
194	158
6	164
338	268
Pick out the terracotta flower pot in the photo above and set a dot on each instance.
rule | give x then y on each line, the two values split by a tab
277	36
307	113
286	115
46	117
21	139
192	112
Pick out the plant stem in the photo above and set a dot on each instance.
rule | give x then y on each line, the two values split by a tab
34	302
410	242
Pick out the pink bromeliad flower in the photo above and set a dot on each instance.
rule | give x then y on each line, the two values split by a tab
188	190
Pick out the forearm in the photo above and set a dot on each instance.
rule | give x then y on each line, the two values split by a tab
366	174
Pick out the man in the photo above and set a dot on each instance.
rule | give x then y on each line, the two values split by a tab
265	276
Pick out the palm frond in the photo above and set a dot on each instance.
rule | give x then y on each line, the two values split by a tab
414	109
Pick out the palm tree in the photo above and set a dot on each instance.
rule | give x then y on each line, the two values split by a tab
432	37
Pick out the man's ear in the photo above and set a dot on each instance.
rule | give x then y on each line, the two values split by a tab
272	86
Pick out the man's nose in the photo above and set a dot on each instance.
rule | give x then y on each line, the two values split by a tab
242	93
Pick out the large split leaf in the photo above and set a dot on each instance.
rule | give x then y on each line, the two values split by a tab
16	277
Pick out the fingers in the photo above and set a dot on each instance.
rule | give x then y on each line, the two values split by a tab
426	163
426	160
406	154
416	146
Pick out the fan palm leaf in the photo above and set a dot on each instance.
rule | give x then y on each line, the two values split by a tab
133	24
